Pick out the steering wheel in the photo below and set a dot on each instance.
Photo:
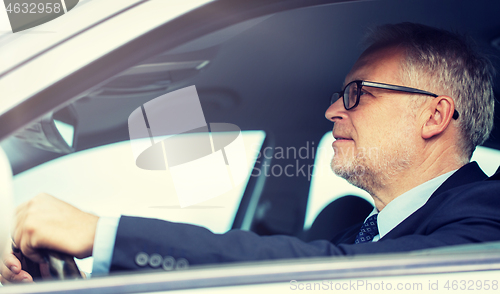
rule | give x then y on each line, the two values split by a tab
58	266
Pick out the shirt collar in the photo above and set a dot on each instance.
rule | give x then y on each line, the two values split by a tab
407	203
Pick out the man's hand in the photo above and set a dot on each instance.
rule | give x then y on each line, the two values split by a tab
10	270
46	222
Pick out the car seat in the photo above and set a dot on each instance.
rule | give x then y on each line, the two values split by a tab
337	216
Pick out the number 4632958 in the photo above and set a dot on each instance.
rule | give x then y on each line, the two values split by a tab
34	8
471	285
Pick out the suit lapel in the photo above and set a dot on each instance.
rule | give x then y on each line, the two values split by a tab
467	174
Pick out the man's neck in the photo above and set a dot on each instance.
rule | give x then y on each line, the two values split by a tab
409	179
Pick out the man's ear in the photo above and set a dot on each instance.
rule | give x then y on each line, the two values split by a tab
438	115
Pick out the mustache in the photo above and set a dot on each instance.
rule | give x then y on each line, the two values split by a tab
341	131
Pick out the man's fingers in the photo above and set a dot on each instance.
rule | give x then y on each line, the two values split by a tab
17	226
19	216
45	222
32	254
11	265
22	235
4	281
22	277
11	272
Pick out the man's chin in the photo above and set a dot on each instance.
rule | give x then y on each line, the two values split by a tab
347	169
353	174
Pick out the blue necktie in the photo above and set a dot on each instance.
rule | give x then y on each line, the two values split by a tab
368	230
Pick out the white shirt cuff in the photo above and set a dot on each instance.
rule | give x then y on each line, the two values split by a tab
104	242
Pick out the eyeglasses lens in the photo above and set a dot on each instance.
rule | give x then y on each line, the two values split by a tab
334	98
350	95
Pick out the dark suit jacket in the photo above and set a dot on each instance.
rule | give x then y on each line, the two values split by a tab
464	209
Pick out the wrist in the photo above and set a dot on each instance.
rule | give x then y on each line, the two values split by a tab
87	237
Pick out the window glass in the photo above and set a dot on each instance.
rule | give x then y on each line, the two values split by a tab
326	186
105	181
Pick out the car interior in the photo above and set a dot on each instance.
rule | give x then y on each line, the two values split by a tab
270	73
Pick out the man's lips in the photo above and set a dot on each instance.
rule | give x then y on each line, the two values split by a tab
341	139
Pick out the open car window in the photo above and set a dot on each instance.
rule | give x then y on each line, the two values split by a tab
327	187
106	181
268	67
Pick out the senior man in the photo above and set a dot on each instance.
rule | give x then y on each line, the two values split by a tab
420	96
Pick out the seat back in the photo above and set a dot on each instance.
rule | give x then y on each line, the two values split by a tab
340	214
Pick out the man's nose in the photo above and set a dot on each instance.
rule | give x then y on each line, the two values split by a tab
336	111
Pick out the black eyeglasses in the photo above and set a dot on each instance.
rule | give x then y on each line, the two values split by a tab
352	92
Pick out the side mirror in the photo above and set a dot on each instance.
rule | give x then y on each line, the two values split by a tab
56	132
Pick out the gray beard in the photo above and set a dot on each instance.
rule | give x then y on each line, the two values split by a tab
375	170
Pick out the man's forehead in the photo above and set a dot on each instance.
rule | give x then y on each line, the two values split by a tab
357	71
379	65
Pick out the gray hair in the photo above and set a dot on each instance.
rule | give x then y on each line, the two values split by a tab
448	64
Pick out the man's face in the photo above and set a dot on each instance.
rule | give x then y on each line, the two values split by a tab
376	140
